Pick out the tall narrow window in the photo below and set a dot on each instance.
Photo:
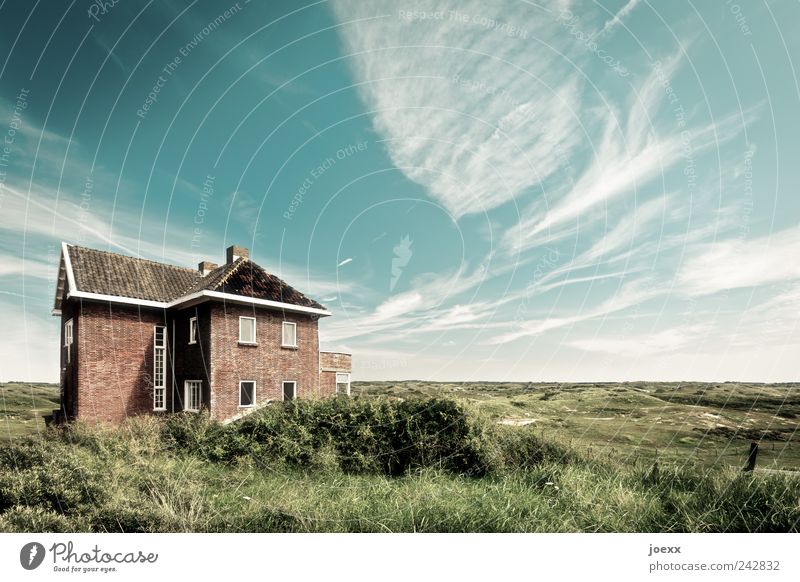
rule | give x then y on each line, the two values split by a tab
193	395
343	384
68	339
193	330
159	367
289	338
247	393
247	330
289	390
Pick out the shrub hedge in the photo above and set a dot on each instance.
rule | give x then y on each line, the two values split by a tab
359	436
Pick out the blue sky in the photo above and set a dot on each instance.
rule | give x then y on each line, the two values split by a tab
477	190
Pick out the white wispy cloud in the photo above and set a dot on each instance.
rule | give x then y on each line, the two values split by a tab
470	112
737	263
617	244
424	308
11	264
480	121
617	19
625	159
629	295
644	344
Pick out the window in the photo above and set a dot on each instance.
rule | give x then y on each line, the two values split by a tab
289	390
289	337
247	393
159	367
193	330
343	384
68	339
193	395
247	330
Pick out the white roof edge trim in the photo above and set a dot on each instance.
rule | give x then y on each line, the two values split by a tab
118	299
253	301
68	264
200	295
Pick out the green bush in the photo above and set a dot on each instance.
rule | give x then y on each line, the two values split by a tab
369	436
190	431
22	519
360	436
25	454
131	518
518	448
47	475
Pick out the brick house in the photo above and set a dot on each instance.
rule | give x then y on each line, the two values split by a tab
139	336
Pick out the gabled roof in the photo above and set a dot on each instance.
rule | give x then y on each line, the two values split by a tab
107	276
109	273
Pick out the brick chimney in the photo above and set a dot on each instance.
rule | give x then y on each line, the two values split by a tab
206	267
234	252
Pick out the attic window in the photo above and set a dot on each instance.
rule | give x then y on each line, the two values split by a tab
289	336
247	330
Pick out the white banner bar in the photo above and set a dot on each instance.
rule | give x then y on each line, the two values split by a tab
355	557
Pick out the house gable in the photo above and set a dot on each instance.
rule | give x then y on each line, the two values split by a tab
245	278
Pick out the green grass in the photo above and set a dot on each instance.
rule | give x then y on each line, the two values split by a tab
22	407
376	464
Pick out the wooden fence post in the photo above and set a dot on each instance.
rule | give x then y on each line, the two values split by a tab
751	457
653	476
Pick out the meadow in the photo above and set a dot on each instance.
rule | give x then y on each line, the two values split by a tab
417	457
688	423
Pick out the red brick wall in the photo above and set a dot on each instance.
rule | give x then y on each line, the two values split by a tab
115	361
267	363
335	361
327	383
113	358
330	363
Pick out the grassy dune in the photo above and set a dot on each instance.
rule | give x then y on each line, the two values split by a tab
22	407
639	422
409	462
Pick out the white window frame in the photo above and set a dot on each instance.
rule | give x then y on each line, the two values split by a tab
252	404
187	400
193	330
160	376
293	326
294	389
255	337
345	375
69	338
